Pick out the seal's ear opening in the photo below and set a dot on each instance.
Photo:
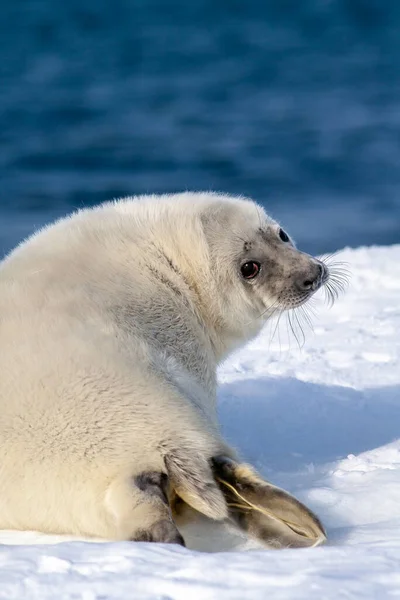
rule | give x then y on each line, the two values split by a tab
265	511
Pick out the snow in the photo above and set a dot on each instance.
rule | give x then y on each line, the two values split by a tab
322	421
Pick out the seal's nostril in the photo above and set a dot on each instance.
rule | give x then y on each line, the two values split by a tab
315	277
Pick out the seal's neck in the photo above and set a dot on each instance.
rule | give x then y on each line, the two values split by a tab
182	256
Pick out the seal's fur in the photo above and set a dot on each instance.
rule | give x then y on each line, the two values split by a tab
112	324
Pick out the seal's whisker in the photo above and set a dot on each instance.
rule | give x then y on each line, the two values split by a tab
279	339
333	265
288	334
331	294
339	285
275	330
339	280
293	329
304	314
328	297
331	260
339	274
340	271
343	277
337	263
336	269
327	257
296	316
331	285
324	258
288	329
310	307
307	316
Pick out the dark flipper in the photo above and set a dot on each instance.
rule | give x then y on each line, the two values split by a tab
164	532
192	479
155	489
265	511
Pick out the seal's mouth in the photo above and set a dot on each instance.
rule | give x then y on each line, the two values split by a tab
334	277
297	304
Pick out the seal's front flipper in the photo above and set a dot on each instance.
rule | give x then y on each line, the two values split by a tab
192	479
265	511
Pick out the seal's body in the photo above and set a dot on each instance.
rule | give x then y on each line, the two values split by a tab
112	324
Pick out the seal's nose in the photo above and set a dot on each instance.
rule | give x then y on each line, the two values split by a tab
313	279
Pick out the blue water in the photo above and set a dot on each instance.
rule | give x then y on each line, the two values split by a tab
293	102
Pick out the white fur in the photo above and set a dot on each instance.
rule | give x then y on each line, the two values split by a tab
109	356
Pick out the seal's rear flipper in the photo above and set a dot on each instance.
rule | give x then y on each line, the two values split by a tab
265	511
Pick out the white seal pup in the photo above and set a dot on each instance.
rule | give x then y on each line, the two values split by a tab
112	324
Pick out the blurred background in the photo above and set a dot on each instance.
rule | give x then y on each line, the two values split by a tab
295	103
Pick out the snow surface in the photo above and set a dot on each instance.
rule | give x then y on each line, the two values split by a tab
322	421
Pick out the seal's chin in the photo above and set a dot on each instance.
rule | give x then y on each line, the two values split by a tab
294	303
293	299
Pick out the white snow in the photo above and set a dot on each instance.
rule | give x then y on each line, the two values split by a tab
322	421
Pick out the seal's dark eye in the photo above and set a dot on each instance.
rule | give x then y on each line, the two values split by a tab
283	235
250	269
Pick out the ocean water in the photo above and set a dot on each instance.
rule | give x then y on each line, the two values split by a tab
295	103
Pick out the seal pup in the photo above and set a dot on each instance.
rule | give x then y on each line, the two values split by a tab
112	324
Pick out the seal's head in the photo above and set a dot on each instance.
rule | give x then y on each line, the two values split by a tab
238	265
254	263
